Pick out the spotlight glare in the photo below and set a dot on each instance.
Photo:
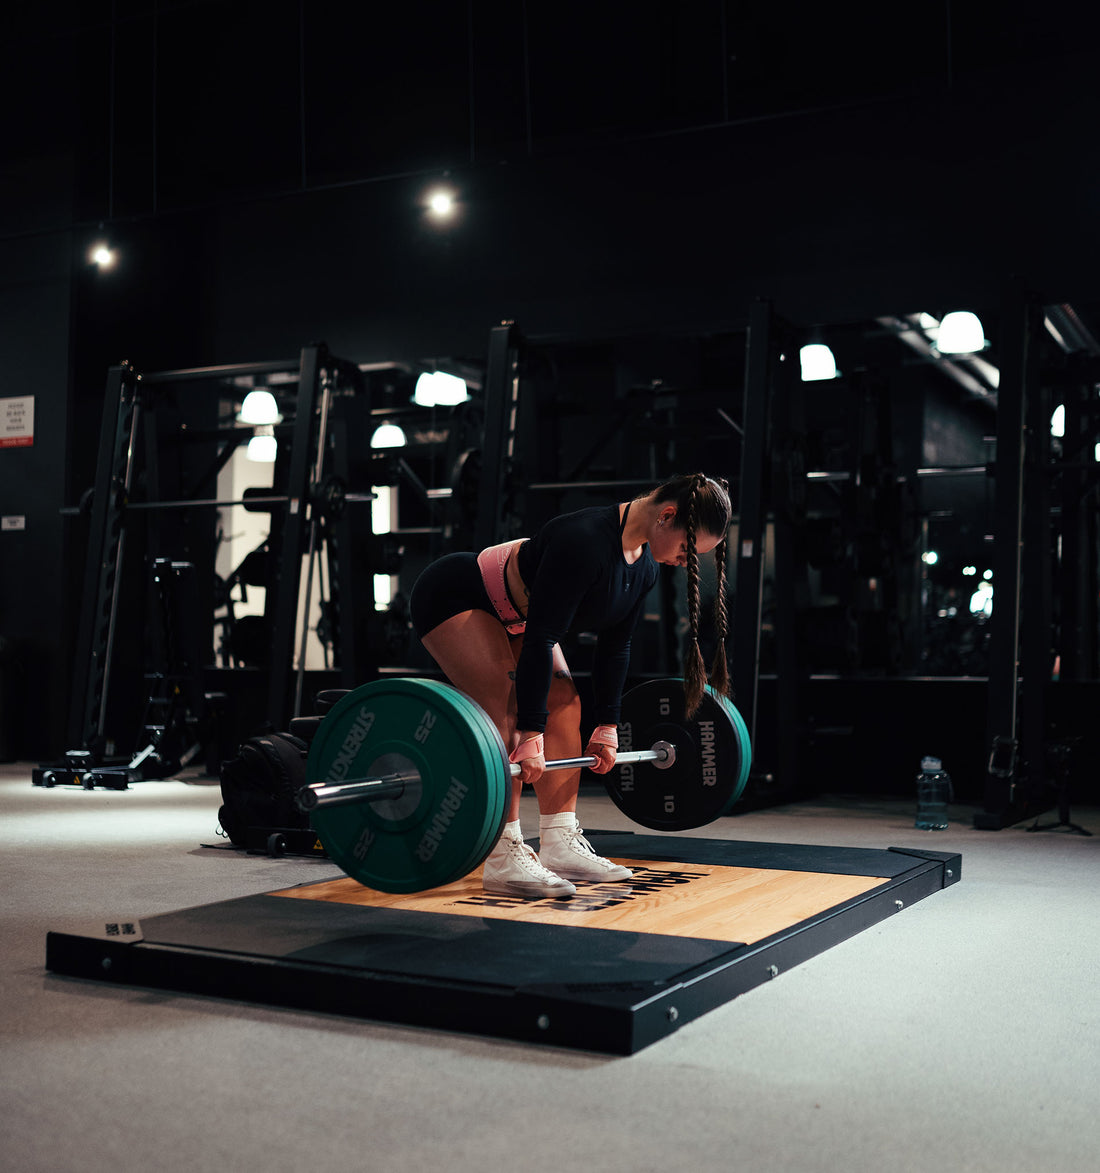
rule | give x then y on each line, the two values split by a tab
438	389
441	203
388	436
383	512
961	332
259	407
930	557
383	591
981	601
817	362
263	448
102	255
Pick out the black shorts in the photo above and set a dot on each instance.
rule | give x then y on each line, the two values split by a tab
447	587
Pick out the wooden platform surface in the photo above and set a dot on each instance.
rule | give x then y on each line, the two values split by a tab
675	899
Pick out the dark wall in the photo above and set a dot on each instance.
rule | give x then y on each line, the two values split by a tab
34	358
35	312
643	176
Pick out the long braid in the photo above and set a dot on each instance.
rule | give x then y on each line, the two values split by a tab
701	504
719	671
695	672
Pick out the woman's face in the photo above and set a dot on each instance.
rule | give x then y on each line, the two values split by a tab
669	542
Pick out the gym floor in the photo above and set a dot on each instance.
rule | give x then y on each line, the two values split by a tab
960	1035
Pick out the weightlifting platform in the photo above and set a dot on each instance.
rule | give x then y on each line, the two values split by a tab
613	969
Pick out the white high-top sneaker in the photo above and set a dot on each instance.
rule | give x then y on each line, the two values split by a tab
513	869
566	851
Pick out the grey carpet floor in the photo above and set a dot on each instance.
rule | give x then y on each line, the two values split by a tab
963	1034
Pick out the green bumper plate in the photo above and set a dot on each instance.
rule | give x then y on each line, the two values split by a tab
447	819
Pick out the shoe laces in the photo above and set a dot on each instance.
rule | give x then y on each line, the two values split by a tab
578	841
531	861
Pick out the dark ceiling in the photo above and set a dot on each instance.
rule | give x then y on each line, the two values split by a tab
177	103
711	149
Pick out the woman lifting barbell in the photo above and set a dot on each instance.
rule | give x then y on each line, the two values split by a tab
494	623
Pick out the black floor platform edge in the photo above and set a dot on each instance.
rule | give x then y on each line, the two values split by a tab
589	989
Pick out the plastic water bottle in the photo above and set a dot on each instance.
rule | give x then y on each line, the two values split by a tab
933	795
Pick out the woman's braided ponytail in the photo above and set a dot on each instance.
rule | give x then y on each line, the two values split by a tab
702	505
695	673
719	669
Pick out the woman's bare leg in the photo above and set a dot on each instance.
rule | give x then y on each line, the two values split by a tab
562	847
476	656
557	789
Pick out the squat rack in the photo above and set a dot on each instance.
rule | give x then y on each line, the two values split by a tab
129	397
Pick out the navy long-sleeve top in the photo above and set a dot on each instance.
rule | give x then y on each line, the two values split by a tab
578	579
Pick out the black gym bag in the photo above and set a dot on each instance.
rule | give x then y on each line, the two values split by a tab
259	785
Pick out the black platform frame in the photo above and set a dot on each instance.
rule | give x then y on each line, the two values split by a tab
591	989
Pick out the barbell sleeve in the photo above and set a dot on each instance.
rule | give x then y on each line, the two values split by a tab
354	790
326	794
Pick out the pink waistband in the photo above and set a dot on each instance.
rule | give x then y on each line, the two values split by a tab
491	563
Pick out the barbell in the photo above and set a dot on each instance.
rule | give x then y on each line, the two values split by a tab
309	798
408	781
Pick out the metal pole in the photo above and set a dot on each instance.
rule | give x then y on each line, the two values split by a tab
227	371
101	720
749	583
501	394
73	510
958	470
552	486
283	609
319	463
663	755
1004	659
100	571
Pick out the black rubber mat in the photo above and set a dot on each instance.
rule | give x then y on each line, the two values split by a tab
596	989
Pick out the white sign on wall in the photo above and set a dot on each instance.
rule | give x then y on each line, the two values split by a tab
17	422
